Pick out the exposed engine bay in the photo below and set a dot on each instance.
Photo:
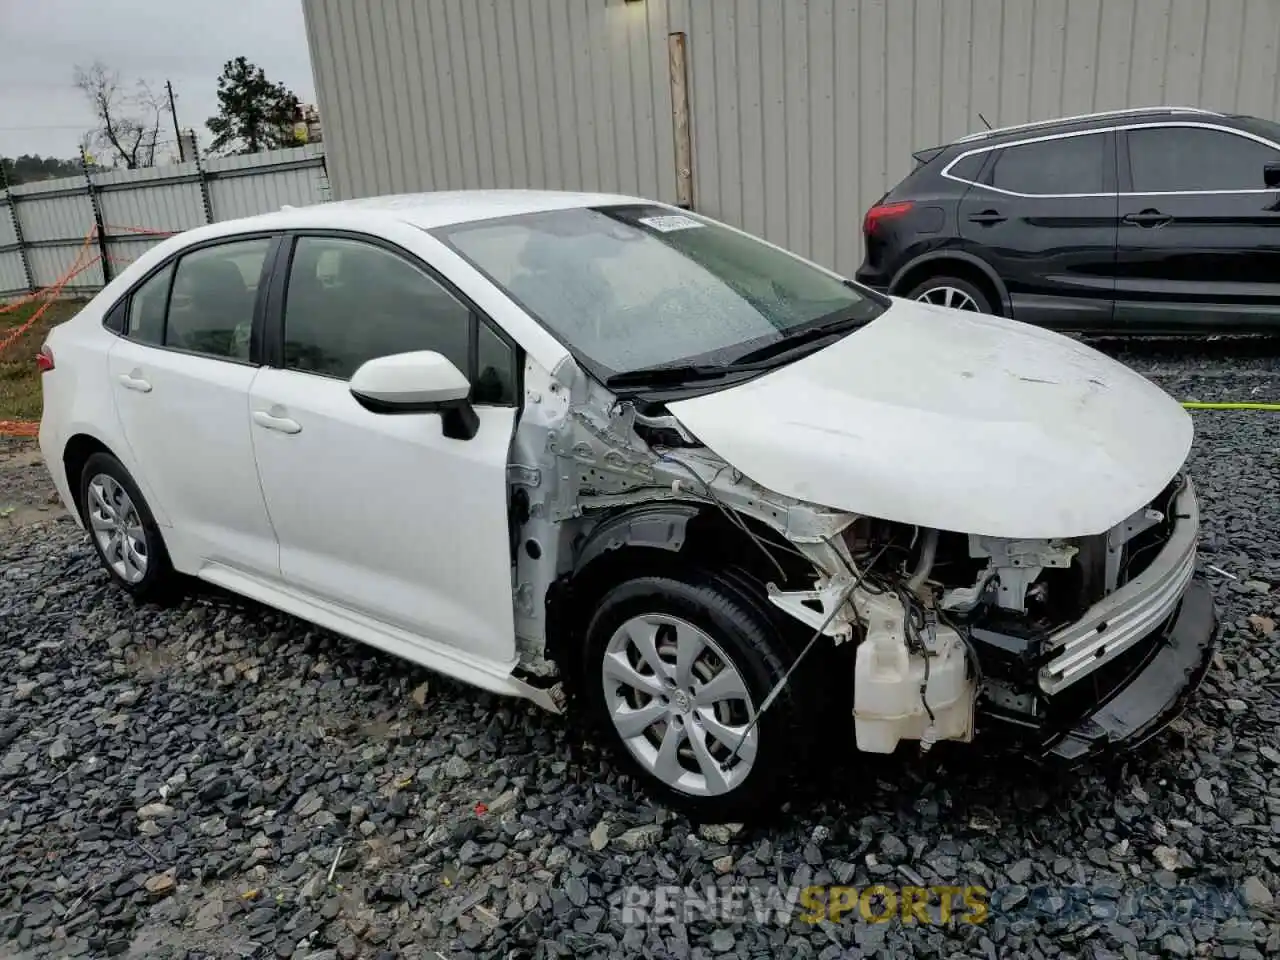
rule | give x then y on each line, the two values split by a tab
945	625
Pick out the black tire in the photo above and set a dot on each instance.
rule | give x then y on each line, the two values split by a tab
981	299
160	582
754	647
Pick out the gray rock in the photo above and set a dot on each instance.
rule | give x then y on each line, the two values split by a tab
1255	893
639	838
457	768
722	940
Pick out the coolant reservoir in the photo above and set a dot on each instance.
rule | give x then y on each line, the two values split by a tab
887	680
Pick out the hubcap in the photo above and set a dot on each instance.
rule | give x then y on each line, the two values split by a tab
117	528
679	704
949	297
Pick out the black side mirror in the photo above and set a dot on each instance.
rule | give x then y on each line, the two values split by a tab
1271	174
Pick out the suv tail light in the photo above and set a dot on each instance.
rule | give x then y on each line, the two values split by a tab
883	211
44	359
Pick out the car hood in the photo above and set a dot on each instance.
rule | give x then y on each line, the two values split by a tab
953	420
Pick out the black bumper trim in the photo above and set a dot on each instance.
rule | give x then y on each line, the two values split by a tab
1155	696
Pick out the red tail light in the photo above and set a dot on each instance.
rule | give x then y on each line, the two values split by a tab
883	211
44	359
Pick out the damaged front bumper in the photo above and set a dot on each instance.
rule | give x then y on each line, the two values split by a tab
1171	665
1124	671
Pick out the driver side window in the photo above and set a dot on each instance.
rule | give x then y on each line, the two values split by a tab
349	301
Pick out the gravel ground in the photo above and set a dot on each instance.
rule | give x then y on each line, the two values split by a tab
220	780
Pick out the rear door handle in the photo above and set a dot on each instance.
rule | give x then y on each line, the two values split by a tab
987	217
279	424
130	382
1148	218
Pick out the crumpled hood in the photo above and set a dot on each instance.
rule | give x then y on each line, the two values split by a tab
953	420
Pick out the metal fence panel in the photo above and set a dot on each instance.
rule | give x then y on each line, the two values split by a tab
50	264
13	278
7	236
55	216
260	183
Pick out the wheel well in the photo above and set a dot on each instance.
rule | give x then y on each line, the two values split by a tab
950	267
711	542
74	456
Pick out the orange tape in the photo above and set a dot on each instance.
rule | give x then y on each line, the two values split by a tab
19	428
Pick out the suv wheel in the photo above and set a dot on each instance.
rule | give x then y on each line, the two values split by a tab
123	531
952	292
674	673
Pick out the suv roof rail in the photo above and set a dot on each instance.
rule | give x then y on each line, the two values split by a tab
983	134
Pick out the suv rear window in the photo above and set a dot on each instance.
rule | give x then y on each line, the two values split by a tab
1066	165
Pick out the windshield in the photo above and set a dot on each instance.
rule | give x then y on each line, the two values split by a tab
634	287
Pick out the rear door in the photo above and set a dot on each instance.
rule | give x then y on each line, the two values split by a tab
1043	213
1199	240
180	375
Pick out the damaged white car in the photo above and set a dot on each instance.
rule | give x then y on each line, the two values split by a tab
597	450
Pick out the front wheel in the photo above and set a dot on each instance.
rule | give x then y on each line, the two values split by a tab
952	292
674	674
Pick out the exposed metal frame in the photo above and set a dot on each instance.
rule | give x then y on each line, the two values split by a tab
1098	131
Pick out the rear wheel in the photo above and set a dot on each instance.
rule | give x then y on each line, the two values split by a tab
123	531
674	674
952	292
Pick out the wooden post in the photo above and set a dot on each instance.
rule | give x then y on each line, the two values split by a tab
678	62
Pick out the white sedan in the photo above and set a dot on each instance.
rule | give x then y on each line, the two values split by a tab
599	450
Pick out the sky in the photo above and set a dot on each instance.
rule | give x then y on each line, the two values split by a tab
184	41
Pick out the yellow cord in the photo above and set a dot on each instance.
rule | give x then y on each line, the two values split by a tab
1197	405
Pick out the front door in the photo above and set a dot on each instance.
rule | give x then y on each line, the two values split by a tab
1044	216
1199	231
180	376
381	513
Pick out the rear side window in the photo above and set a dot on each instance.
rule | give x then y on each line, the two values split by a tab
1066	165
212	303
349	301
146	308
1175	159
968	168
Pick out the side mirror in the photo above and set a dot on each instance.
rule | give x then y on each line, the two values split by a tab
420	382
1271	174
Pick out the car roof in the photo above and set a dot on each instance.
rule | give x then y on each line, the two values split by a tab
423	210
1086	121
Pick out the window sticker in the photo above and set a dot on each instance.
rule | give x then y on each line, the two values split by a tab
670	223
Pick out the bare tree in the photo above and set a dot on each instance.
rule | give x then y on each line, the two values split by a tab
128	124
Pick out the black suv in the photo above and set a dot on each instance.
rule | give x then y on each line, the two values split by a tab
1160	220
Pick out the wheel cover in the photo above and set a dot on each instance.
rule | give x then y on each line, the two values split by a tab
952	297
117	527
679	704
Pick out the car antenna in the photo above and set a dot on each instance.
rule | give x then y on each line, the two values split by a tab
984	120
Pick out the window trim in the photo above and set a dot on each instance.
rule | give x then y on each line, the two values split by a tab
259	304
1117	129
277	297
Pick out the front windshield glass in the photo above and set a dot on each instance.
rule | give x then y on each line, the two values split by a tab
633	287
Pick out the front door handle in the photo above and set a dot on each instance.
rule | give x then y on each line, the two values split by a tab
987	217
279	424
1148	218
131	382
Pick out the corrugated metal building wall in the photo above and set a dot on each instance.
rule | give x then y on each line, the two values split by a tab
803	111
